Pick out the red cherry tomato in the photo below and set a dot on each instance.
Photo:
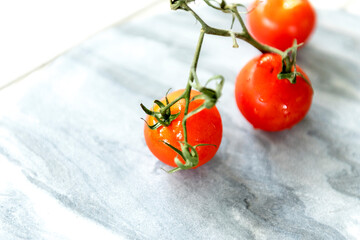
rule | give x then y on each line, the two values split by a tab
278	22
267	102
203	127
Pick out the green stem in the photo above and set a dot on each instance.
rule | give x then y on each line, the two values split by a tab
203	24
191	78
244	35
239	18
172	103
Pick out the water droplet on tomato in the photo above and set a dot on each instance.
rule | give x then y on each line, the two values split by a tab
179	135
285	109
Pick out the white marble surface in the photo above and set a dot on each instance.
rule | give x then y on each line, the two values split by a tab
35	32
74	165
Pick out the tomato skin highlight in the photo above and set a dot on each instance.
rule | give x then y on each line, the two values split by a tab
203	127
278	22
265	101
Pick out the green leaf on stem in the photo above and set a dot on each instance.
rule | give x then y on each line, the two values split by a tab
160	104
210	96
147	111
232	21
164	116
152	127
204	144
161	121
289	70
174	148
188	154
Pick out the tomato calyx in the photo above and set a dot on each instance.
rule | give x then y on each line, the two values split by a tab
163	116
189	155
288	61
210	96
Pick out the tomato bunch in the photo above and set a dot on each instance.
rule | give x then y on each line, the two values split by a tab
184	129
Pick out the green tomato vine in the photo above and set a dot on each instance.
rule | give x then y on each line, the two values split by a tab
210	96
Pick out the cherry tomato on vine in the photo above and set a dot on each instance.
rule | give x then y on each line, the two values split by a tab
278	22
267	102
204	127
